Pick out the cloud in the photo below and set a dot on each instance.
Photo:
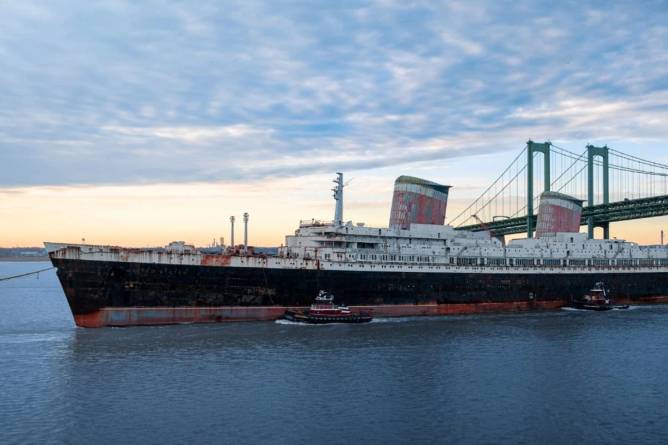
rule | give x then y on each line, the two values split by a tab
468	46
125	92
618	119
192	134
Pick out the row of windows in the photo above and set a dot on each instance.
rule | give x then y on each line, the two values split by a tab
401	258
420	267
521	262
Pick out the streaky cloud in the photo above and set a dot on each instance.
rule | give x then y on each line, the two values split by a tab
136	93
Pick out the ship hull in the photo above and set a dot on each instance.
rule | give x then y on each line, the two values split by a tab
113	293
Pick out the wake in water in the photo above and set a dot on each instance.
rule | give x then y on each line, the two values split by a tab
407	319
374	321
296	323
572	309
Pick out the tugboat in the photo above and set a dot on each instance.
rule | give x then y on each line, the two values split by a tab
596	300
323	310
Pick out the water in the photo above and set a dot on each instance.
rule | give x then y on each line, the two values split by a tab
558	377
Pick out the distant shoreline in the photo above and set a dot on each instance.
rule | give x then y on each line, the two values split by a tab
24	259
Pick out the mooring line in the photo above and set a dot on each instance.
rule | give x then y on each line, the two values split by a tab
26	274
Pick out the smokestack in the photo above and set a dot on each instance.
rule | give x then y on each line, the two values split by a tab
232	231
418	201
246	232
558	213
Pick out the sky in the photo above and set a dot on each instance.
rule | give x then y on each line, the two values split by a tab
139	123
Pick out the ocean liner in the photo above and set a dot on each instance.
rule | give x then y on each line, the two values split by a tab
415	266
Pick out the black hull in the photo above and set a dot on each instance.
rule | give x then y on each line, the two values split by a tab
94	285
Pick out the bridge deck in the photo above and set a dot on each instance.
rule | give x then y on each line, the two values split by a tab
602	214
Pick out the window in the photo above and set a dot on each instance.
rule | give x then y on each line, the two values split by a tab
496	261
524	262
467	261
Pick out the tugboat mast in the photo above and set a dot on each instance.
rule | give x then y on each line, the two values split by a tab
338	196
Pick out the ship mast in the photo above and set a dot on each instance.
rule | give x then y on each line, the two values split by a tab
338	196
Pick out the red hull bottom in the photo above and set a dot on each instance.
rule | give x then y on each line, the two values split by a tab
146	316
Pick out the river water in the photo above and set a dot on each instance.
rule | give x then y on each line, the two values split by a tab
552	377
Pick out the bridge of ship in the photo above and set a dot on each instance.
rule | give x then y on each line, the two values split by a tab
614	186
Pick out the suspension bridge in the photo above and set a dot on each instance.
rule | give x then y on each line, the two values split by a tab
613	185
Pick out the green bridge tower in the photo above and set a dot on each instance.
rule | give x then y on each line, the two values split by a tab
592	152
535	147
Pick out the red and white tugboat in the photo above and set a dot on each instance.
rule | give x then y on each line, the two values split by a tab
323	310
596	300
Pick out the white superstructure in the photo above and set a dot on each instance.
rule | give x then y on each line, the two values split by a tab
432	244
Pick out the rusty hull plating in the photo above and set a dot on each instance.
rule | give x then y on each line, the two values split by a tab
113	293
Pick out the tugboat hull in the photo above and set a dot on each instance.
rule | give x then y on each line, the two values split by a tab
299	317
593	307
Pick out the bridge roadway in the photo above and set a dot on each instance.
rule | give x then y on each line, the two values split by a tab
602	213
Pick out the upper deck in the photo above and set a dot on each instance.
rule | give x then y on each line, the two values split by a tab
444	244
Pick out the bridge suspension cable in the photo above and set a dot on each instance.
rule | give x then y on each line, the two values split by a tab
628	176
476	204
